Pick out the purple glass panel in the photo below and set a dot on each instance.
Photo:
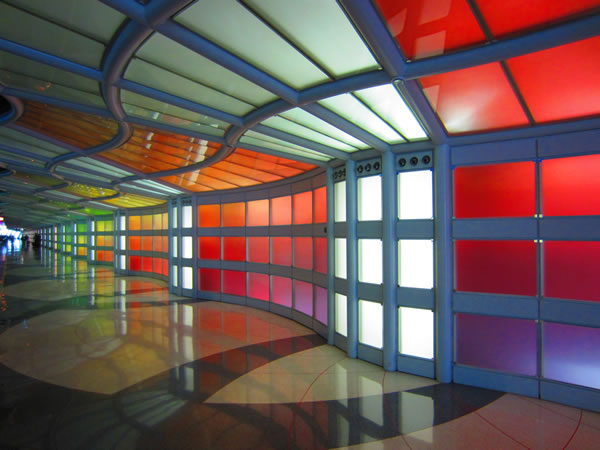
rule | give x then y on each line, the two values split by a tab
303	297
321	304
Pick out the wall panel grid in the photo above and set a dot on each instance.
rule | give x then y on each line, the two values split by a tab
527	255
101	240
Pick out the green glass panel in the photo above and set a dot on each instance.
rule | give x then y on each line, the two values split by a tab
323	32
96	212
157	78
17	26
175	57
347	106
17	139
233	27
147	108
387	102
261	140
82	227
288	126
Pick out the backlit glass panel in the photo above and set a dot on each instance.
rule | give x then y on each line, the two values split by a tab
370	323
281	289
258	249
135	263
186	247
186	217
321	304
281	251
303	253
340	258
369	198
416	332
209	216
135	243
320	254
234	214
303	208
370	261
341	314
209	280
234	282
134	222
340	201
415	263
320	204
234	248
258	213
258	286
303	297
415	195
281	210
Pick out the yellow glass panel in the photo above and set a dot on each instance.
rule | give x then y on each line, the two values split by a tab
147	222
134	222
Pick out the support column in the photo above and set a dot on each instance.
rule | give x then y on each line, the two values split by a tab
390	261
352	258
330	258
444	278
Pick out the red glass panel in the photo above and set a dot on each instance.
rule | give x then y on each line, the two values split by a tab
321	304
209	280
571	269
497	343
281	291
108	256
258	286
234	282
320	204
234	214
165	269
430	28
474	99
135	243
571	186
321	255
281	251
561	82
234	248
303	297
157	265
134	222
147	264
509	16
303	208
495	190
281	210
499	267
258	249
135	263
303	252
258	213
147	243
209	247
100	255
209	216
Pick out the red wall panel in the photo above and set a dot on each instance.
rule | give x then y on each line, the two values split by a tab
258	286
234	248
209	280
303	252
234	282
209	216
281	210
281	251
258	249
209	247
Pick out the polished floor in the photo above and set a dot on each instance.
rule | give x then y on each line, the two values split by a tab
91	360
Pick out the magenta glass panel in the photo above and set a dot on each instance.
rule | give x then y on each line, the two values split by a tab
258	286
281	251
234	282
281	289
258	249
209	280
498	267
571	354
321	304
135	263
320	254
234	248
303	208
281	210
209	247
303	252
571	269
497	343
303	297
258	213
320	205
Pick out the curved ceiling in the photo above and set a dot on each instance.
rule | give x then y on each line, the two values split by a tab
124	103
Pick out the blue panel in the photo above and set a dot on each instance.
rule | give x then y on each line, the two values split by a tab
341	341
281	310
496	305
368	291
414	229
585	228
416	366
320	328
495	380
369	230
569	144
519	150
576	396
370	354
570	311
233	299
416	298
521	228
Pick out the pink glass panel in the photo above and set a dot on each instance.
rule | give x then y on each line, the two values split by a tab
320	254
258	286
209	247
303	297
234	248
281	251
321	304
281	290
234	282
258	249
234	214
303	208
320	205
303	252
209	216
281	210
209	280
258	213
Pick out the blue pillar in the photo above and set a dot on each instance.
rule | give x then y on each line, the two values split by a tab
444	279
352	258
330	258
390	262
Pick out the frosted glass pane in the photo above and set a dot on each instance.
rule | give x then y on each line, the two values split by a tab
186	247
123	224
415	263
123	262
370	323
93	255
123	245
186	216
187	279
93	243
340	201
415	195
416	332
370	261
340	258
369	198
175	246
174	273
341	314
175	217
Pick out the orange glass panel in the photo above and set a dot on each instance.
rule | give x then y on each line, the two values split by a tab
100	241
108	256
157	243
134	222
134	243
320	204
303	208
165	220
234	214
147	243
108	241
566	91
146	222
474	99
82	251
157	265
165	243
258	213
209	216
281	210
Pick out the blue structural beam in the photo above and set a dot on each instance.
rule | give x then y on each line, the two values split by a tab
330	258
352	257
343	85
280	154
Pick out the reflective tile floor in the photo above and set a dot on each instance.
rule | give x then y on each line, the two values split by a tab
90	360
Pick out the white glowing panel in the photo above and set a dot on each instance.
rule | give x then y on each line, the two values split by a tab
415	195
187	278
415	263
186	247
175	246
93	255
340	201
174	276
93	241
123	262
174	217
370	323
123	242
416	332
370	261
123	224
341	314
369	198
340	258
186	217
92	224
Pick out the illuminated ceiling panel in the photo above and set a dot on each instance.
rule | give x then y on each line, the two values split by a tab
150	150
134	201
17	139
561	82
475	99
38	180
88	191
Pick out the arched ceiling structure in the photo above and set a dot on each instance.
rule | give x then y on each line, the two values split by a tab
123	103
